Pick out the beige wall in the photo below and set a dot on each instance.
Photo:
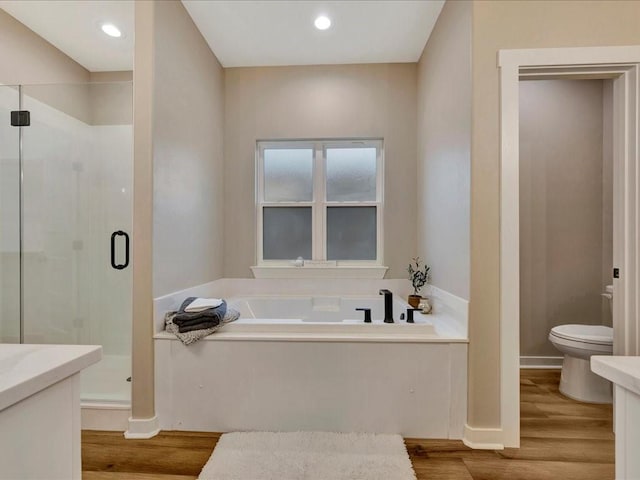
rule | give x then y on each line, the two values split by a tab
498	25
444	143
27	58
320	102
188	153
111	98
561	208
52	77
116	76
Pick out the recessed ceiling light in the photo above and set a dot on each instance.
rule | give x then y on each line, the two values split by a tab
111	30
322	22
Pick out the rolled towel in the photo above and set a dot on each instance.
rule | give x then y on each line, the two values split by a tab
200	304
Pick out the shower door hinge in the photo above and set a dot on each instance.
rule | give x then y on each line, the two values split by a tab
20	118
616	273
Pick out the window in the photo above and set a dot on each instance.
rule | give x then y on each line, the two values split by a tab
319	200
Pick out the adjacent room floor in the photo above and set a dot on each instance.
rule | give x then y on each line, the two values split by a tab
561	438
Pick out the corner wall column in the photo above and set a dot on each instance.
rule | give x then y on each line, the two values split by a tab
143	422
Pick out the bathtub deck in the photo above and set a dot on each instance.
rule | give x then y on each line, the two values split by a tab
441	327
561	438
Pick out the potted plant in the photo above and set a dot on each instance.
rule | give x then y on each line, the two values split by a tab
419	276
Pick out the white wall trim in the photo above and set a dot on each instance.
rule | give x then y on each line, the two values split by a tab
528	361
140	428
483	438
109	417
510	250
267	271
626	205
619	61
580	56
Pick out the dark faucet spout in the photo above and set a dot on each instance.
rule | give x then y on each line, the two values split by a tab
388	305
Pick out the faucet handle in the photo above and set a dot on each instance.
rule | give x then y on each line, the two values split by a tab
410	314
367	314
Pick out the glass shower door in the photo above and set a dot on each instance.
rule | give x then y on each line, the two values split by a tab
9	218
77	213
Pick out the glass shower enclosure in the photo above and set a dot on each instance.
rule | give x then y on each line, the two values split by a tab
66	154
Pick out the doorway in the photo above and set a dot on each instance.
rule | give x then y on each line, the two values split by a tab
566	211
621	65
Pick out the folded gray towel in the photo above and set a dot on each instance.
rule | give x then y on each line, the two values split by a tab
188	338
202	325
189	319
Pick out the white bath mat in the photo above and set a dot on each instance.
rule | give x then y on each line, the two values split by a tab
308	456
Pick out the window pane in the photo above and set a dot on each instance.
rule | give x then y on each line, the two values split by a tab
351	174
351	233
286	233
288	174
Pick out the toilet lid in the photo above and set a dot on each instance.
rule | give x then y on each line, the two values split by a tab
598	334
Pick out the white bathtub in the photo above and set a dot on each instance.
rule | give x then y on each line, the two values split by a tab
309	362
284	317
322	315
318	308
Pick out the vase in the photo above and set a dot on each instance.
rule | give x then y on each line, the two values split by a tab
414	300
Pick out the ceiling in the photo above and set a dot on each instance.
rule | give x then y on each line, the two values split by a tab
260	33
243	33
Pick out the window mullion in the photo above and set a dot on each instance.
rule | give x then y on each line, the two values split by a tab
318	207
380	203
259	193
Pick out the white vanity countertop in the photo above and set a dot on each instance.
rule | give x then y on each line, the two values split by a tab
28	369
623	371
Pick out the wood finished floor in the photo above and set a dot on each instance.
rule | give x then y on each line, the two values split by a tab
560	439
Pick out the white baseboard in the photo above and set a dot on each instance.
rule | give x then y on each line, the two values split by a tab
540	362
142	427
483	438
114	418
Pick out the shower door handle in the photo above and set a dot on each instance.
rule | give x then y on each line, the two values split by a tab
114	235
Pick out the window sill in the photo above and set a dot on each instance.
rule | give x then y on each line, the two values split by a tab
358	272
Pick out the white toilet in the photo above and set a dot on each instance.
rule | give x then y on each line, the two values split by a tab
578	343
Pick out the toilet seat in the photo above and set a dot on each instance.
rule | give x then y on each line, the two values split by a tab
589	334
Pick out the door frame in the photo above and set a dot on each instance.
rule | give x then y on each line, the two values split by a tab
622	64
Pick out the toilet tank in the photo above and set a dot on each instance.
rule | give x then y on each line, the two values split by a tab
608	294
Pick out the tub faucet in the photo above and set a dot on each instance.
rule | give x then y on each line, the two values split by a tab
388	305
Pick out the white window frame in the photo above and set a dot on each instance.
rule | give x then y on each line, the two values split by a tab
319	204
